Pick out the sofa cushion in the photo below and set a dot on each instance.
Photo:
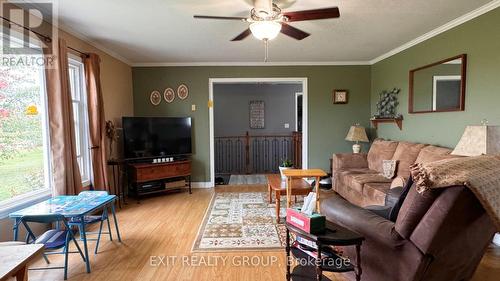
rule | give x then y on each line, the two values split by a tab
357	181
398	182
406	153
433	153
375	192
339	176
380	150
349	161
344	172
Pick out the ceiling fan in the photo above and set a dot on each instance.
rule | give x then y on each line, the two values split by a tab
267	20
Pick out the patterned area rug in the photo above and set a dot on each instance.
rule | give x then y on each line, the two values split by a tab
238	221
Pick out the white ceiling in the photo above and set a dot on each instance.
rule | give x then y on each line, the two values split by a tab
164	31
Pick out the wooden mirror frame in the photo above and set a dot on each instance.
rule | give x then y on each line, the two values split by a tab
463	57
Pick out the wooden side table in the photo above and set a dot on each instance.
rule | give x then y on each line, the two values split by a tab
117	187
334	235
299	174
14	260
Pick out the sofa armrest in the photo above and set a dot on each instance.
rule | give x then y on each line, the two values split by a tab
349	161
372	226
392	196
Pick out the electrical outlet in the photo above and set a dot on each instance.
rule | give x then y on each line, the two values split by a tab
193	107
287	125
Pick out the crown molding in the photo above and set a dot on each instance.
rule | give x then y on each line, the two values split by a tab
452	24
77	34
250	63
447	26
94	44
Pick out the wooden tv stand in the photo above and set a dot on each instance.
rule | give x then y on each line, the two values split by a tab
157	174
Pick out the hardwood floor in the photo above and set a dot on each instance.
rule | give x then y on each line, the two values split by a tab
167	226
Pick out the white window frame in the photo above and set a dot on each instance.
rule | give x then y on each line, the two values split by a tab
30	198
83	128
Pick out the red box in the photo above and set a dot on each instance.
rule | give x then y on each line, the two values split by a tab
314	223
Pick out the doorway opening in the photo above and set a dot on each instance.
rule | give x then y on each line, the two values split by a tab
255	124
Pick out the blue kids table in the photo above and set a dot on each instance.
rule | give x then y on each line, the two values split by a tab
71	207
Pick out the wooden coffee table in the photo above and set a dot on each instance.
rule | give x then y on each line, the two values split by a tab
278	187
293	174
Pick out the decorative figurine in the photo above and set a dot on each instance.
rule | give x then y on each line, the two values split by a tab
387	104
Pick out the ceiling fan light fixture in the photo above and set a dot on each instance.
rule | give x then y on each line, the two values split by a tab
265	30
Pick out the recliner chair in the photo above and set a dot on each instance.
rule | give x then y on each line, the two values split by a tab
438	235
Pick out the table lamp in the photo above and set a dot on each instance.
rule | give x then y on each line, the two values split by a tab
356	133
479	140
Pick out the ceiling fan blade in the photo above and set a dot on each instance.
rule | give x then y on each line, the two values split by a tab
293	32
242	35
219	18
318	14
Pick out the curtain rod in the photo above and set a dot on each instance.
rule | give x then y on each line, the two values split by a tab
45	37
80	52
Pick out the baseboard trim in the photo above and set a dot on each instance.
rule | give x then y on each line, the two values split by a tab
201	184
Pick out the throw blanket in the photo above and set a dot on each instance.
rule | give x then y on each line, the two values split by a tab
481	174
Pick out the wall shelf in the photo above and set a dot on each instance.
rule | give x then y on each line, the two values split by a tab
397	121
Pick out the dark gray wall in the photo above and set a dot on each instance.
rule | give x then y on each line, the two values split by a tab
231	108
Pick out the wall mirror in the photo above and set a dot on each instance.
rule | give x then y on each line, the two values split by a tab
438	87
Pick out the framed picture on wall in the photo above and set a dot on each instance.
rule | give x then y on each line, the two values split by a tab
340	96
169	95
257	114
155	97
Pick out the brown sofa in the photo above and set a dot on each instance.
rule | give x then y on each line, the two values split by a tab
438	235
358	177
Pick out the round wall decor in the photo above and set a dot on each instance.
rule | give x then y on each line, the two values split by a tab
169	95
182	91
155	98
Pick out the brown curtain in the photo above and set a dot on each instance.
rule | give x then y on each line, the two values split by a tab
97	122
66	173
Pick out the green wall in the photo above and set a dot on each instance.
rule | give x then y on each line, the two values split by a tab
480	40
328	123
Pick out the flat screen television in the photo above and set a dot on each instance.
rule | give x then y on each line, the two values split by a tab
149	137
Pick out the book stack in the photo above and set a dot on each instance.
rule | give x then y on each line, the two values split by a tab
307	250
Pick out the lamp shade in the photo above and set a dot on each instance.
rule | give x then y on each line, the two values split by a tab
479	140
356	133
265	30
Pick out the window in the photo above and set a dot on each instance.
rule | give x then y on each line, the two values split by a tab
24	143
80	117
